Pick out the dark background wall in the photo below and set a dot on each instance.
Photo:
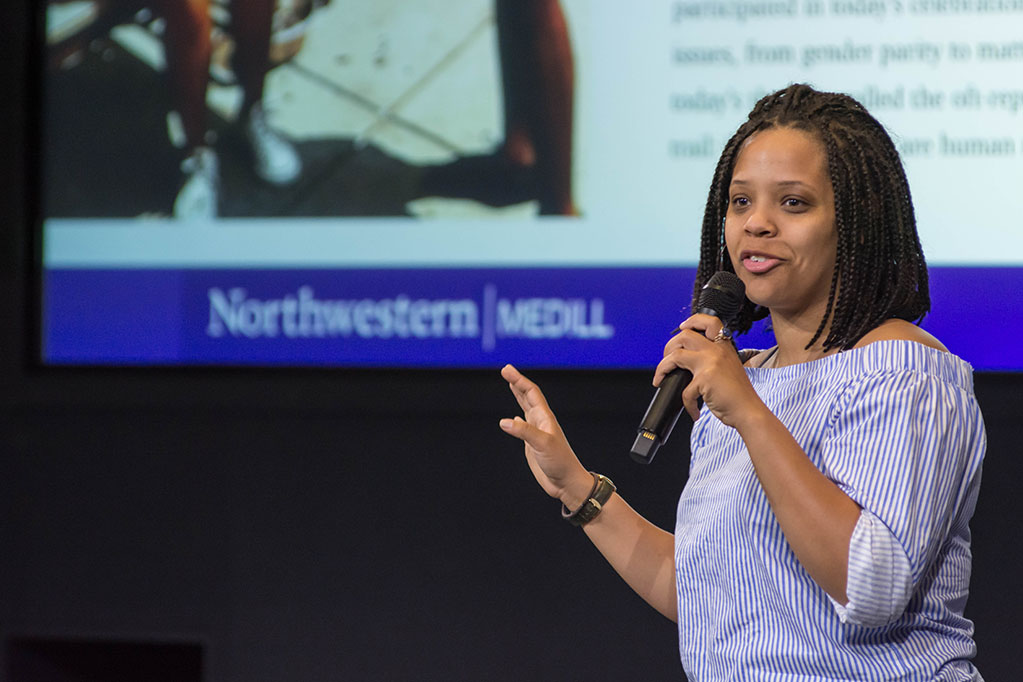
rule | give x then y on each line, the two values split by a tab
339	525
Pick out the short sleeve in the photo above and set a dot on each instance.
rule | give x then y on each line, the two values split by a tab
905	446
879	579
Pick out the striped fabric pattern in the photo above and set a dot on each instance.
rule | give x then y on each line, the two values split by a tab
896	426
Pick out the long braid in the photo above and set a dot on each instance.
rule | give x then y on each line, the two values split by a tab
837	167
880	271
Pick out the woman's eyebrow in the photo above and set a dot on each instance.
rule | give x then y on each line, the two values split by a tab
782	183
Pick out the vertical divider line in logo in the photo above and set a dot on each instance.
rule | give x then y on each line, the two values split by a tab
489	317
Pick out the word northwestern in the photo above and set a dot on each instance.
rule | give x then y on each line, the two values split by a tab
301	314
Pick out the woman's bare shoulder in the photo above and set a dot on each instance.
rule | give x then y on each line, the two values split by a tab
891	330
754	357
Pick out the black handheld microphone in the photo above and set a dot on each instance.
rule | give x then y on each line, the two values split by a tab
722	296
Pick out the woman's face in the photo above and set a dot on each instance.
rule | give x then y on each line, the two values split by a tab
780	224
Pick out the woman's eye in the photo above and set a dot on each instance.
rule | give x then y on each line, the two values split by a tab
740	202
793	202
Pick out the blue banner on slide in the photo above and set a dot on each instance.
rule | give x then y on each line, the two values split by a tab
471	318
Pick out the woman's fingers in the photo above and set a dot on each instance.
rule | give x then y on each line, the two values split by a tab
531	400
678	357
690	400
666	365
535	438
718	376
707	326
527	394
537	444
548	454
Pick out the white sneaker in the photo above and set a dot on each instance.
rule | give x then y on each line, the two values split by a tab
277	162
198	197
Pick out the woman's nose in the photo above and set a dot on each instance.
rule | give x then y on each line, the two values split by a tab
759	224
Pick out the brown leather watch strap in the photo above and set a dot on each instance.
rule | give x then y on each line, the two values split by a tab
602	490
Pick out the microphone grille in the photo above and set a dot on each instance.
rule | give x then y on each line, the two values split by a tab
724	293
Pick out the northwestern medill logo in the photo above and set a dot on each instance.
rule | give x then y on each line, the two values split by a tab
233	313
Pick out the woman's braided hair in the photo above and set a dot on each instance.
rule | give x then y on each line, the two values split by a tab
879	262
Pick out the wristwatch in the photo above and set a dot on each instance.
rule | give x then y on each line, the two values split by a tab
602	490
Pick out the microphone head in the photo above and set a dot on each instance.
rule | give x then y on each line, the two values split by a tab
722	296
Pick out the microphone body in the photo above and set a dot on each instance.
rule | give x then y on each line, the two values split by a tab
721	297
661	415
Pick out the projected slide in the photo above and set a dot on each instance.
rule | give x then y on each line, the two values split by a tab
463	183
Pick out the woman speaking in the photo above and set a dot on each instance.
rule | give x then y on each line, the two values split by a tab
823	531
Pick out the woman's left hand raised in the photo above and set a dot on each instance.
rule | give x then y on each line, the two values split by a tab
550	457
718	375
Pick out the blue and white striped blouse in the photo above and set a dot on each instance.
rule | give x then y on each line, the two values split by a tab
895	424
